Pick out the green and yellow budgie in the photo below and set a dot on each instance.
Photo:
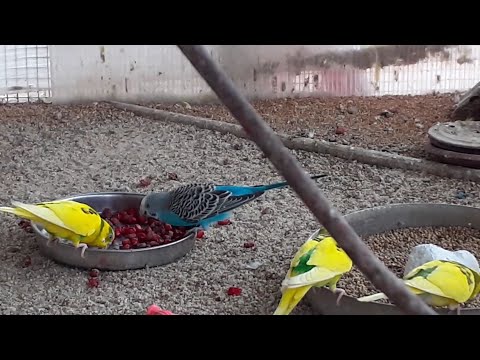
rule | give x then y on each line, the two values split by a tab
68	220
318	262
440	284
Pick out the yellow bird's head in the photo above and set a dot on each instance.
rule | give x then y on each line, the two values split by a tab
106	235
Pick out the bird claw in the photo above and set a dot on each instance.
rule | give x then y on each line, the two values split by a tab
51	240
84	247
340	292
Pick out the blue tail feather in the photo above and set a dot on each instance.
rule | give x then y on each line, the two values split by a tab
247	190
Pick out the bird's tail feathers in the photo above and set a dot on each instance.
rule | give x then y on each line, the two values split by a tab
290	299
284	183
373	297
17	211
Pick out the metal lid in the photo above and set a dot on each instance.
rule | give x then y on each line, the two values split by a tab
457	134
452	157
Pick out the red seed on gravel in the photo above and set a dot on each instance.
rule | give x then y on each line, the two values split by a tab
249	244
94	273
27	261
93	282
200	234
224	222
234	291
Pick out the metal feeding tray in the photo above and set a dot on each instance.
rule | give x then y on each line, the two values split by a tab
456	143
111	259
383	219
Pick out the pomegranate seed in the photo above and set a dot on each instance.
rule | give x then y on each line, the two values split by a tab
94	273
249	244
142	220
141	245
93	282
168	227
133	220
129	231
224	222
151	221
126	242
107	213
125	247
115	221
150	235
131	236
141	237
144	182
138	228
118	232
131	211
234	291
154	243
200	234
27	261
134	242
156	237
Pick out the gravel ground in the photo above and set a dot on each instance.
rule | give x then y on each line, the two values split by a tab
396	124
49	151
393	248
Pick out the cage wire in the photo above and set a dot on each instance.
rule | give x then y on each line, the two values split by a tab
24	73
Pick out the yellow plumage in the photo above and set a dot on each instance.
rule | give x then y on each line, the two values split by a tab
69	220
440	284
317	263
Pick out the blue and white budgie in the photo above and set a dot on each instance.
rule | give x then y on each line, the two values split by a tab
200	205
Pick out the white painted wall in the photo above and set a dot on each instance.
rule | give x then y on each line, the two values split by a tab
145	73
142	73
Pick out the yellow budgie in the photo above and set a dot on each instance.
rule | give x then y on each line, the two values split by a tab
440	284
69	220
318	262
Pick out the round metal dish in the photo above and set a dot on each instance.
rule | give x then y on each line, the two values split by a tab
382	219
110	259
461	135
452	157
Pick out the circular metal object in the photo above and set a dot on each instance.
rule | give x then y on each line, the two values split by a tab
111	259
461	135
452	157
382	219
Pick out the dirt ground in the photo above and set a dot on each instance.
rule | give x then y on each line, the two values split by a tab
396	124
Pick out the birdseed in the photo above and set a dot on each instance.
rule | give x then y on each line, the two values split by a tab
393	248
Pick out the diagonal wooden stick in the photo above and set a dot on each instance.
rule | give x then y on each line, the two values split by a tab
266	139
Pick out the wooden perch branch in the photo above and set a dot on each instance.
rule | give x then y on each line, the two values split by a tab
266	139
347	152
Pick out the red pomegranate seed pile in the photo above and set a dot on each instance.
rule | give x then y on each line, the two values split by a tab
133	231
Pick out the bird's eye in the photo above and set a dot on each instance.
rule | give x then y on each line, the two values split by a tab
147	206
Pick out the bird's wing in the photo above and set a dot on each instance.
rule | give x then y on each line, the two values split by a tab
315	276
196	202
70	215
443	278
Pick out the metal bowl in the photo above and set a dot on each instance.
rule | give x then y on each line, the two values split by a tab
382	219
110	259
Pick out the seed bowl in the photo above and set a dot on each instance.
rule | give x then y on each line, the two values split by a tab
382	219
111	259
